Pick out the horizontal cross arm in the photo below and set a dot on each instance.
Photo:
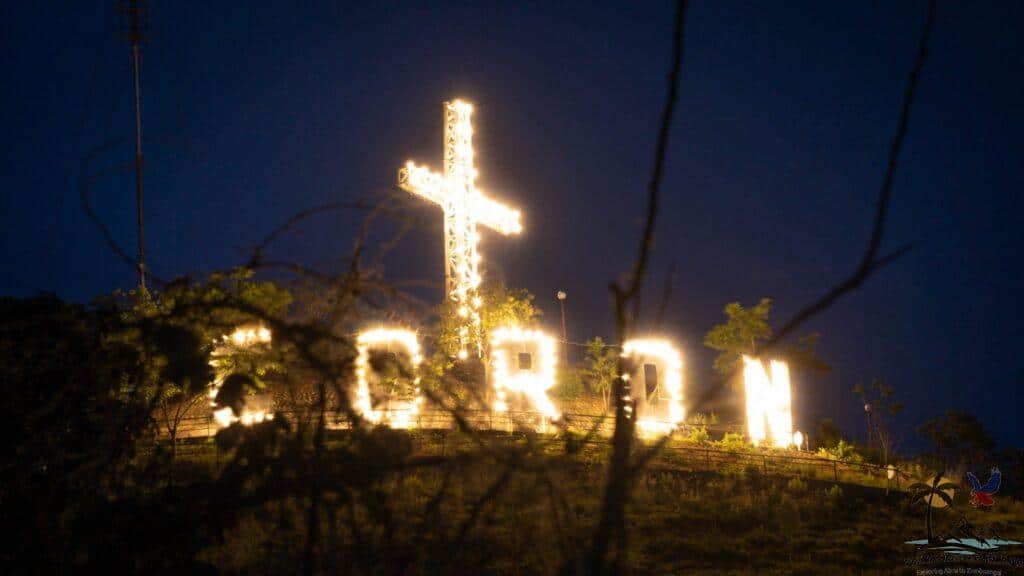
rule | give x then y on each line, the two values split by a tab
420	181
497	216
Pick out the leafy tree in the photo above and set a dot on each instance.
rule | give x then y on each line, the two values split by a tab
802	355
503	306
743	333
179	335
600	368
193	322
82	386
959	440
68	429
500	306
460	381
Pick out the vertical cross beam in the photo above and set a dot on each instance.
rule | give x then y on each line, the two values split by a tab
460	226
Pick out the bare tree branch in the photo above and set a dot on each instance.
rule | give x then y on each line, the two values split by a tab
612	522
635	288
289	224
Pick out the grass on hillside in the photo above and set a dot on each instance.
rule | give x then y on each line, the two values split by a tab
685	518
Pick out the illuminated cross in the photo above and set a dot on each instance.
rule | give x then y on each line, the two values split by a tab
464	208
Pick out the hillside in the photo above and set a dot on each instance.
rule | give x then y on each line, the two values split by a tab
687	517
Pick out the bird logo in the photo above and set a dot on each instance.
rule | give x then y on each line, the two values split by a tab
981	496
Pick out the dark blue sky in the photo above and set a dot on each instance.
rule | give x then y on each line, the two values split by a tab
254	110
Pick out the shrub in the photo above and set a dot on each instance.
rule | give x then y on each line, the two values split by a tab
834	494
752	472
733	442
842	451
698	435
796	486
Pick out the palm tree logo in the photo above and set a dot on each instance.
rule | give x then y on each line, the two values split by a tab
938	493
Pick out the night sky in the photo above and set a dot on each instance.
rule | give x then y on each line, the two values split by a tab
255	110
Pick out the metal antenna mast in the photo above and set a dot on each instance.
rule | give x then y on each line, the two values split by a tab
135	29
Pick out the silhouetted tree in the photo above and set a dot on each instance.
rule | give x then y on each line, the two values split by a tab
827	434
959	440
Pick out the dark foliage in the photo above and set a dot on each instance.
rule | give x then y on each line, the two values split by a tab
71	415
958	441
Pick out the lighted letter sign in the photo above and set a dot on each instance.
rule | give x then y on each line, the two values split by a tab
387	399
769	411
656	385
523	370
257	406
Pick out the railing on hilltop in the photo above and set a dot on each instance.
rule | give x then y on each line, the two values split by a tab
675	458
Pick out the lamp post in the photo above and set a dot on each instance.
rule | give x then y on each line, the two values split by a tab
561	295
